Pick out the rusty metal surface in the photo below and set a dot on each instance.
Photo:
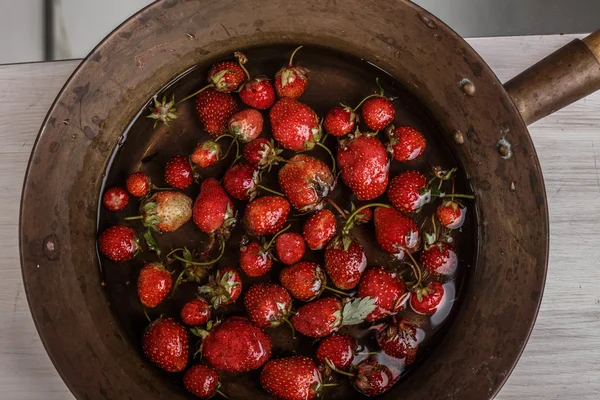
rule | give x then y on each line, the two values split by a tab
58	216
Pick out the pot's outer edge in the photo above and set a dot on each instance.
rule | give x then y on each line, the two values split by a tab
57	221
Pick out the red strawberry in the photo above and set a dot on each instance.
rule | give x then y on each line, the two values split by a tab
166	211
425	300
206	154
399	340
224	287
319	229
115	199
292	378
236	345
258	93
246	125
451	214
440	259
201	381
118	243
195	312
291	80
407	191
373	378
267	304
337	351
214	110
294	125
304	280
226	76
386	288
406	143
165	343
213	209
363	217
290	248
138	184
254	259
364	164
179	173
266	215
306	182
395	232
322	317
262	153
154	284
340	121
377	113
240	181
345	264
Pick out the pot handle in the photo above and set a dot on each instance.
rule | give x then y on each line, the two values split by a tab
565	76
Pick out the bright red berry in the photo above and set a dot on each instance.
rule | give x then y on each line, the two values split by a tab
319	229
451	214
118	243
407	191
294	125
345	263
291	80
226	76
223	288
178	172
267	304
201	381
406	143
292	378
154	284
306	182
254	259
206	154
258	93
213	209
304	280
214	110
377	113
340	121
386	288
246	125
266	215
138	184
373	378
426	300
165	343
240	181
399	340
195	312
337	351
262	153
440	259
290	248
395	232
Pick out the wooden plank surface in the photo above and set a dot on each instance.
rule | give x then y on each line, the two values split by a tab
562	359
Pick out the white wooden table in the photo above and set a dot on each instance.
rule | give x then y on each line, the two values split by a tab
562	359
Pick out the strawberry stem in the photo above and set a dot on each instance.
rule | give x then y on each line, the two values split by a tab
334	290
365	99
338	208
270	190
160	189
241	58
177	282
415	268
287	321
434	226
133	218
462	196
194	94
147	316
331	384
226	135
333	169
222	394
275	237
173	251
379	86
342	372
293	54
202	262
359	210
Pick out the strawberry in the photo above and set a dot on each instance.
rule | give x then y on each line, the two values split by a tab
214	110
119	243
206	154
291	80
373	378
345	264
399	340
340	121
306	182
258	93
246	125
426	300
364	164
254	259
290	248
451	214
138	184
201	381
115	199
322	317
267	304
440	259
166	211
226	76
179	173
266	215
386	288
395	232
377	113
223	288
165	343
337	351
240	181
262	153
154	284
294	125
292	378
213	209
408	192
406	143
304	280
319	229
195	312
236	345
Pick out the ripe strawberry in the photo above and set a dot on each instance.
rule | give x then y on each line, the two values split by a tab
236	345
179	173
345	264
306	182
166	211
201	381
377	113
440	259
262	153
214	110
226	76
292	378
240	181
319	229
290	248
337	351
364	164
138	184
118	243
294	125
451	214
291	80
373	378
165	343
408	193
223	288
322	317
154	284
395	232
213	210
195	312
266	215
386	288
258	93
115	199
304	280
399	340
254	259
267	304
340	121
425	300
206	154
246	125
406	143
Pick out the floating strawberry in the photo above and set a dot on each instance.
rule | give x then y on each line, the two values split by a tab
319	229
254	259
399	340
408	191
377	110
241	181
306	182
340	121
292	378
118	243
115	199
165	343
266	215
290	248
426	300
166	211
202	381
294	125
258	93
179	173
206	154
406	143
214	110
304	280
373	378
395	232
246	125
386	289
451	214
154	284
227	76
262	153
195	312
213	210
223	288
337	351
268	304
345	264
440	259
291	80
138	184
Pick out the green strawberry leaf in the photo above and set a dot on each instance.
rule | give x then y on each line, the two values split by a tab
347	241
357	310
151	242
